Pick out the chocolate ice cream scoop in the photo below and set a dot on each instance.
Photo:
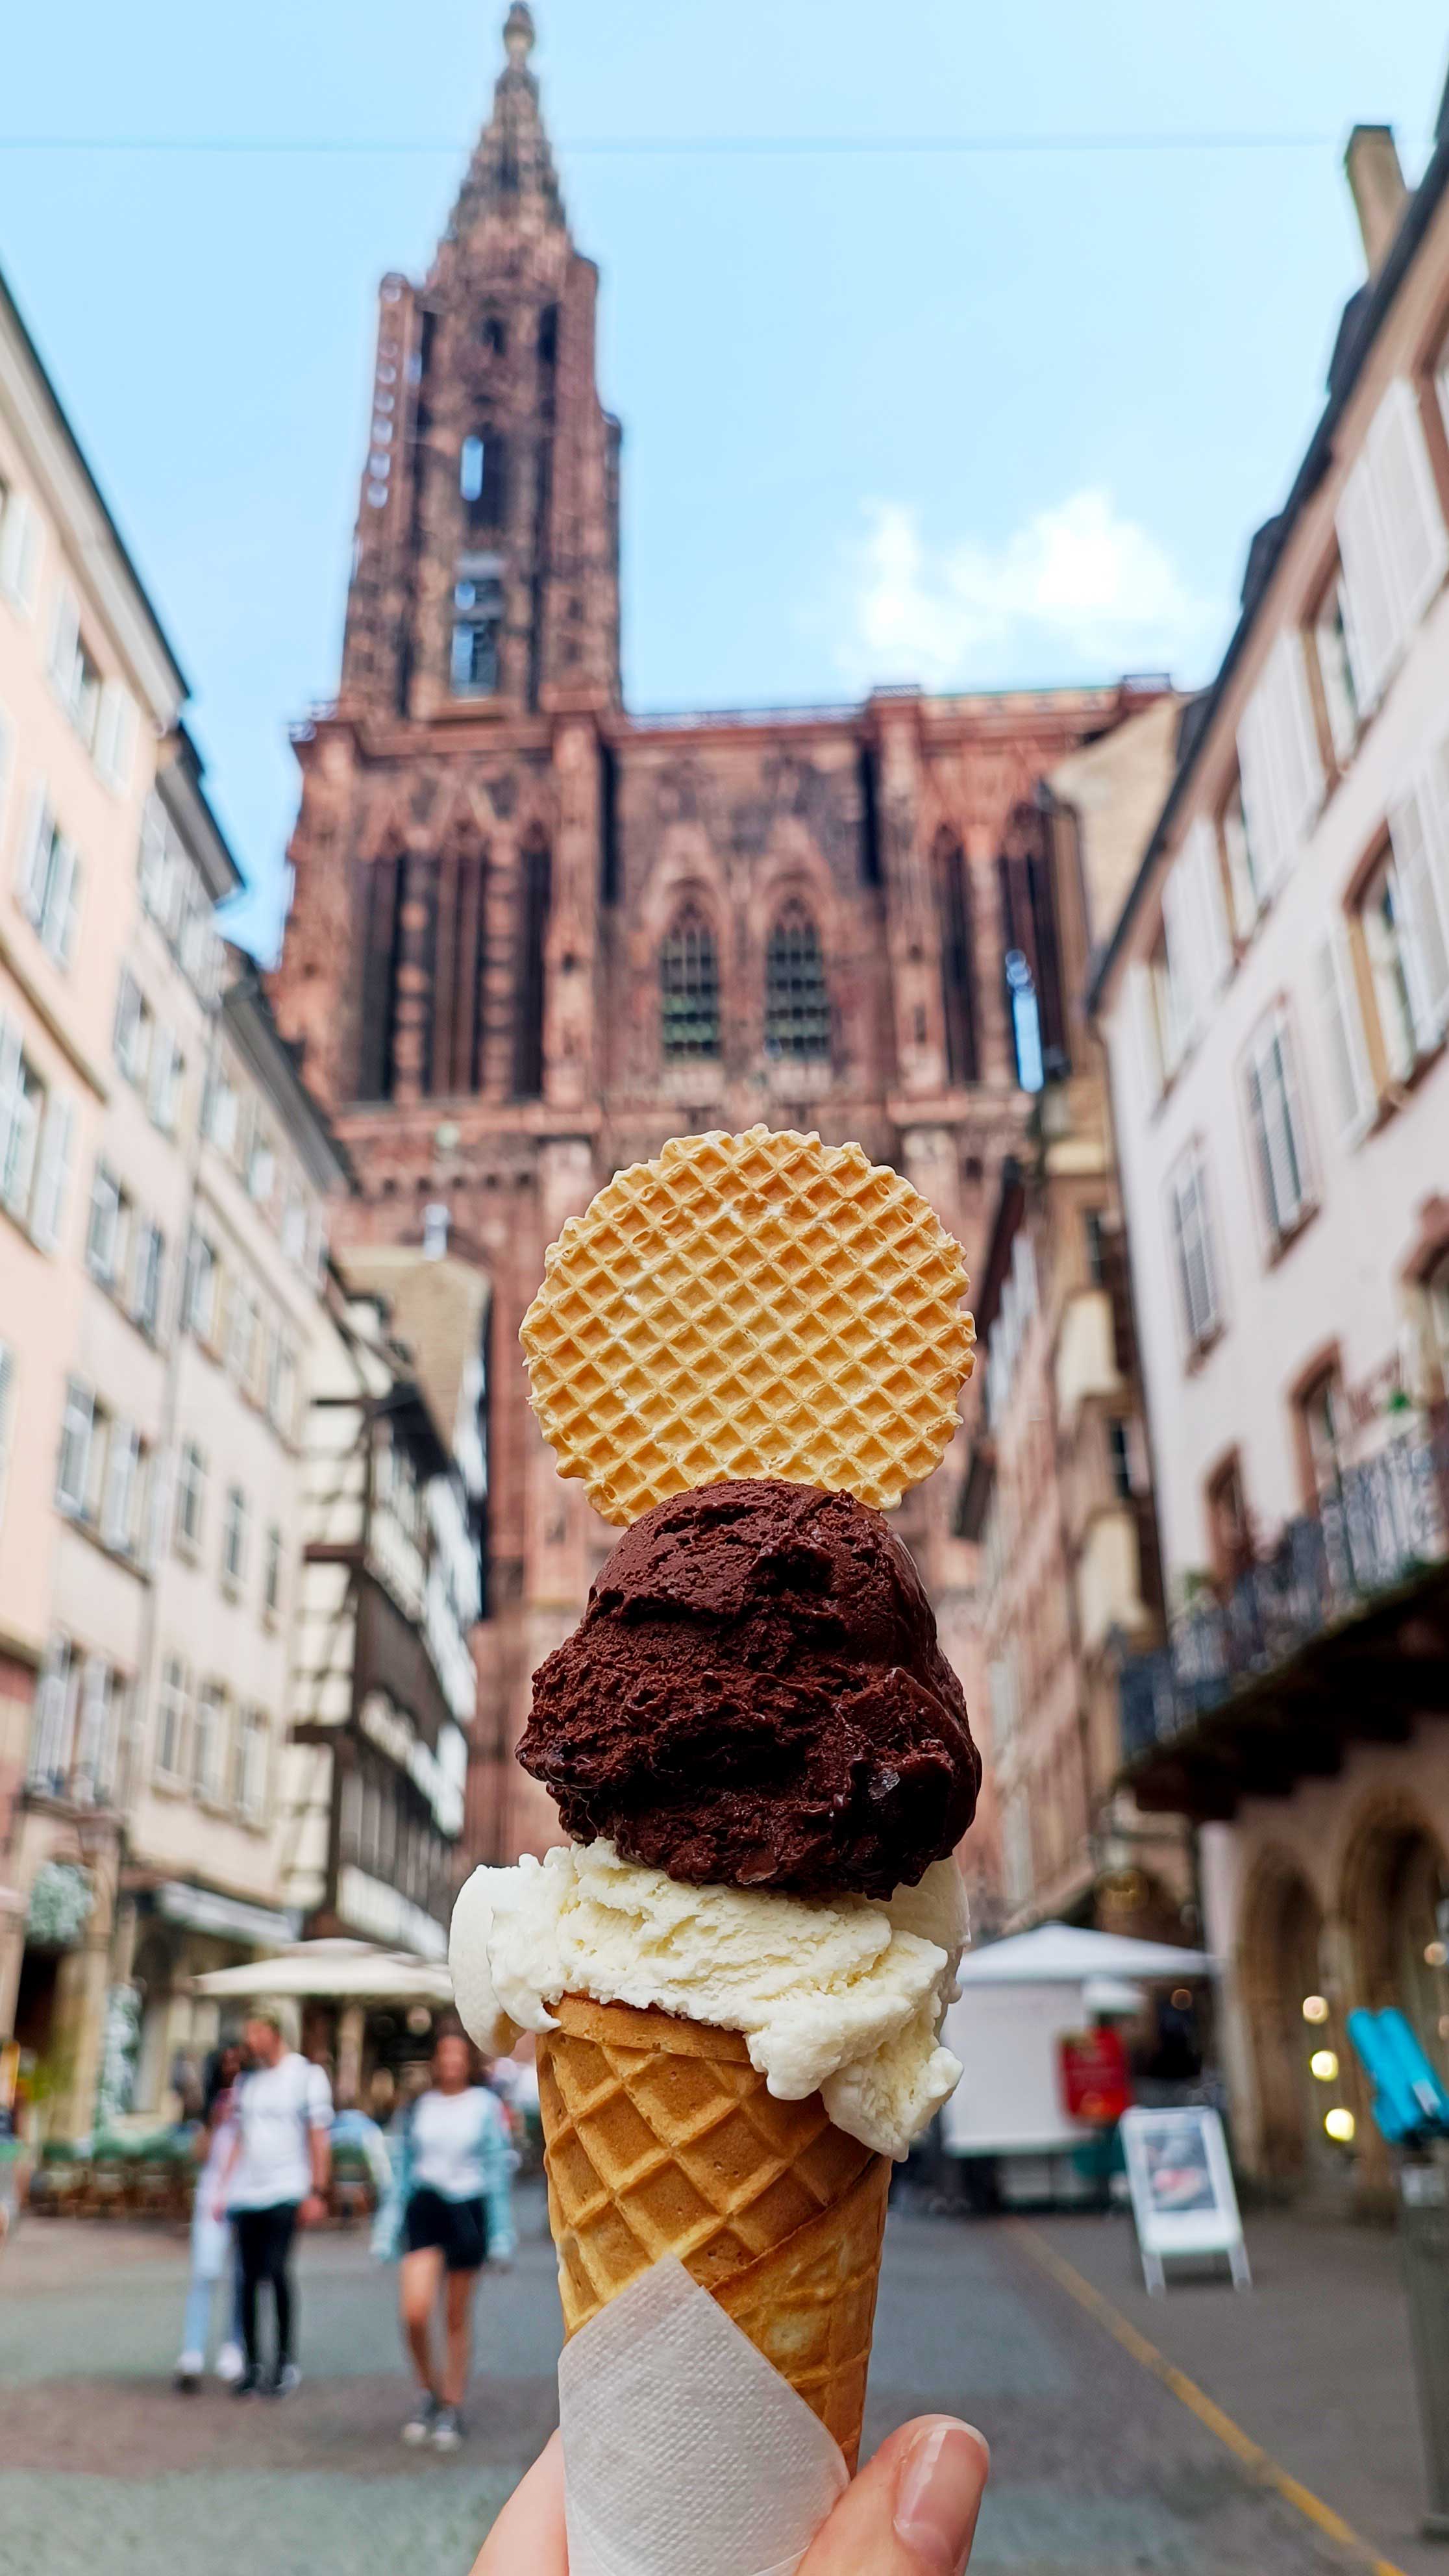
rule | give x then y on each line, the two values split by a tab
755	1697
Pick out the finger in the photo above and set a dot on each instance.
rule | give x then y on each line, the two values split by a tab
528	2537
912	2510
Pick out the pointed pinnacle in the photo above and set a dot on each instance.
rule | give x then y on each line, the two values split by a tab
519	33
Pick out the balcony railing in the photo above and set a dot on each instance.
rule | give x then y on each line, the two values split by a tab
1385	1523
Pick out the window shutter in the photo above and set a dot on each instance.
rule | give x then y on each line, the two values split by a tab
116	735
21	538
1212	945
1296	733
120	1486
7	763
1256	776
1372	623
65	643
1416	546
34	848
1426	949
1352	1086
1141	1010
12	1094
1182	958
53	1179
62	903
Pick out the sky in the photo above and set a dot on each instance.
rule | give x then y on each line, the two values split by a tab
984	417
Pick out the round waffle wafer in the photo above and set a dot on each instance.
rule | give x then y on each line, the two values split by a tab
756	1305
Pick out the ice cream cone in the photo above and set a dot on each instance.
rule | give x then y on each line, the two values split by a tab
660	2138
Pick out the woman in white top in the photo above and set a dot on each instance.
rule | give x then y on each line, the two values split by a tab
451	2210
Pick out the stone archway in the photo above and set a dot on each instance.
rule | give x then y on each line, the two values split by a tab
1281	1948
1395	1877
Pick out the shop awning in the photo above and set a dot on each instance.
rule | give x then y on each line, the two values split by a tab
228	1918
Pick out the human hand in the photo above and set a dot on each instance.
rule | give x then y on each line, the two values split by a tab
911	2512
312	2211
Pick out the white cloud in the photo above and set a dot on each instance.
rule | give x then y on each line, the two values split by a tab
1078	590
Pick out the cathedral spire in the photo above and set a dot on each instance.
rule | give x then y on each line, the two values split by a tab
511	172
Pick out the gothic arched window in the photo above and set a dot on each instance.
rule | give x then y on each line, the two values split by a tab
958	973
797	1004
483	478
689	986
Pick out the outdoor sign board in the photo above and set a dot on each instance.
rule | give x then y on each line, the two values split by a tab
1182	2189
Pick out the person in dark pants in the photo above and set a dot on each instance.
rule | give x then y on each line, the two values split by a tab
449	2211
276	2174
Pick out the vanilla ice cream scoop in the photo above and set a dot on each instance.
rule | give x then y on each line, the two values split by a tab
839	1995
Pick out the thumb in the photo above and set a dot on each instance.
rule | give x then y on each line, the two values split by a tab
912	2510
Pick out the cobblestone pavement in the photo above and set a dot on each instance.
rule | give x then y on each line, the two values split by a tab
1098	2470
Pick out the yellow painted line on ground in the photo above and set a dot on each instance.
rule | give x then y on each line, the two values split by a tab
1197	2402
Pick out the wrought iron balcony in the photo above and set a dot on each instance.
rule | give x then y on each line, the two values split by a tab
1335	1581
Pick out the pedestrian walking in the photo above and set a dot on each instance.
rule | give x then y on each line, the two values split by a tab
275	2175
449	2211
213	2250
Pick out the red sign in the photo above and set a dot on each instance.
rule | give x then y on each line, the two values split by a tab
1096	2082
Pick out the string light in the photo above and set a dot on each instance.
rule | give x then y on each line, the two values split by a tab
1315	2008
1324	2064
1340	2125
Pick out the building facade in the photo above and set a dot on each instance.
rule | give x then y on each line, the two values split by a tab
88	689
1275	1002
204	1870
534	935
1057	1492
384	1687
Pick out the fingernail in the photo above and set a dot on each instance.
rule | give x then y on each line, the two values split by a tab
939	2493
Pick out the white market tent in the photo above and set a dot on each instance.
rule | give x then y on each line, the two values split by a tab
1019	1998
334	1972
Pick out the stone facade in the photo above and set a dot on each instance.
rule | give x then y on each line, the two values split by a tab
533	935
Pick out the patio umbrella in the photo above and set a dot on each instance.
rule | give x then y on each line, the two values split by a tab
334	1972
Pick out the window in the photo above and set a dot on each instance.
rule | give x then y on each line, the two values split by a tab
282	1386
50	880
22	540
294	1228
219	1112
114	747
958	978
73	1471
1335	668
261	1169
1230	1543
1192	1247
234	1539
37	1131
190	1497
1016	1850
1404	912
1324	1426
689	987
272	1572
133	1029
1276	1123
1169	1019
100	1718
242	1338
147	1270
199	1302
171	1708
105	1229
251	1766
797	1005
1119	1460
168	1075
209	1744
483	480
1092	1228
477	629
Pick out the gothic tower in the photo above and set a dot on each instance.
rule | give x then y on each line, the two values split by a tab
534	934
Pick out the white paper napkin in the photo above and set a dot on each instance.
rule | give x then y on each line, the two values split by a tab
686	2453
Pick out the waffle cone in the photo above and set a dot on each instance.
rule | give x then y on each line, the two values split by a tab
660	2138
756	1305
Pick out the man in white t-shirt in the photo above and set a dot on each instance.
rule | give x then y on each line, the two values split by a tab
275	2175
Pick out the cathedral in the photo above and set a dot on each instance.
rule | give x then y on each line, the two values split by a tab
536	932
